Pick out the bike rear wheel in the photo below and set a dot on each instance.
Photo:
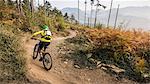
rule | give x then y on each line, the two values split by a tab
35	52
47	61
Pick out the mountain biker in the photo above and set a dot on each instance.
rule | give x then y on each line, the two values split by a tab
46	37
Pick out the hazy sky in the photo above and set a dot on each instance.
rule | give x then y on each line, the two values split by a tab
60	4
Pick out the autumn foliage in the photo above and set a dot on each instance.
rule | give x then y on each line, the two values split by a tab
126	49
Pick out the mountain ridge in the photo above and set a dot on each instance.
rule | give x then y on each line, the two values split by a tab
140	16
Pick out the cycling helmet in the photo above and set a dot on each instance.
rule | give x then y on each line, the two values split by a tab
45	27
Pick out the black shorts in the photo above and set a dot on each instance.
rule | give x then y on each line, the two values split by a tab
43	45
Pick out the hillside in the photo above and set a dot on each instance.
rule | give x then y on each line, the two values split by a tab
15	28
122	54
80	54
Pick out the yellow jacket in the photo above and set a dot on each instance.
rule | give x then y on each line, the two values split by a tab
44	36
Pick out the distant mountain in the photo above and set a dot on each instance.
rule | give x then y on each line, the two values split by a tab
132	17
70	10
73	11
136	11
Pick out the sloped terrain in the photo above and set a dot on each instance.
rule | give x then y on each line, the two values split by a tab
63	71
120	53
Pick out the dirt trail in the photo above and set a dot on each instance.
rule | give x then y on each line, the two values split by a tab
35	68
64	73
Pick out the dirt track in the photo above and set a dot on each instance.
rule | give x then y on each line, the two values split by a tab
65	73
36	69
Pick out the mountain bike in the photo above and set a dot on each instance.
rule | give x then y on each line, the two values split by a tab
46	57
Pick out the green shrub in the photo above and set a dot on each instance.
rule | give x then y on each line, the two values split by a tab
61	24
100	26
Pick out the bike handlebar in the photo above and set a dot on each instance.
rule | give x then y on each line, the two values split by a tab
35	38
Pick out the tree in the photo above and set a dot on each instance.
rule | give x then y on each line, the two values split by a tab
32	6
9	2
66	16
97	5
85	12
26	4
109	13
92	2
5	2
60	13
48	8
78	10
72	18
116	16
19	6
55	11
38	3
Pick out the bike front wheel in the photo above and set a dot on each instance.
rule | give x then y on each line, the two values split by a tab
47	61
35	52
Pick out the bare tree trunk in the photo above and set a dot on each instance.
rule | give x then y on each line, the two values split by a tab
88	21
27	4
85	13
10	2
44	1
45	7
20	8
38	3
109	13
116	16
5	2
32	7
92	2
17	6
78	11
96	16
91	15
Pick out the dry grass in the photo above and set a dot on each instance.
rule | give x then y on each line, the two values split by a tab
13	63
129	50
